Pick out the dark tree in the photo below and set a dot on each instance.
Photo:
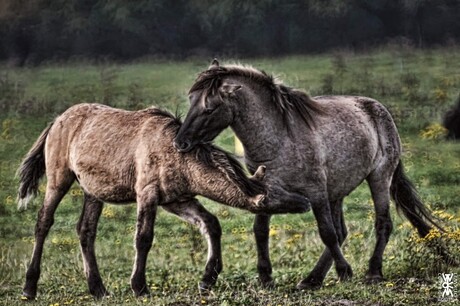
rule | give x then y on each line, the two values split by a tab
35	30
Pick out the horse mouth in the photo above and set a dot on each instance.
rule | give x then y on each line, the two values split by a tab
183	147
187	146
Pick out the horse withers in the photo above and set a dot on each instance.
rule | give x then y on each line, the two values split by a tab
120	156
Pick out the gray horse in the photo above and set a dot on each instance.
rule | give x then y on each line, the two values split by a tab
323	147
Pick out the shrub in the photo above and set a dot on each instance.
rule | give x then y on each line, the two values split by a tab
434	131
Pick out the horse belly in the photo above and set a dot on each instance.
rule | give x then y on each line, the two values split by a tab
109	193
348	165
339	187
106	183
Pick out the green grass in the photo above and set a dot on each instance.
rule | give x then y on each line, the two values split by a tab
417	86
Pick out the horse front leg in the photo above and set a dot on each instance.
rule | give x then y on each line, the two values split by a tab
261	232
315	279
329	236
86	229
194	213
147	202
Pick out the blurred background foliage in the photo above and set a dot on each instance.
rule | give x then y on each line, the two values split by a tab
32	31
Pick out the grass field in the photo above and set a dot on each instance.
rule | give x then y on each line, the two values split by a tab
417	86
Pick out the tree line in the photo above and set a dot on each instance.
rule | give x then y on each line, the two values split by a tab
37	30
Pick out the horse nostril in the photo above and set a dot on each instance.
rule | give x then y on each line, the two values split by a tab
183	146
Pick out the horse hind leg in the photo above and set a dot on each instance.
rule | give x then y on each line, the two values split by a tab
53	195
194	213
315	279
86	229
380	190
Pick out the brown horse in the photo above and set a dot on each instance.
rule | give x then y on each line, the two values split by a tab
120	156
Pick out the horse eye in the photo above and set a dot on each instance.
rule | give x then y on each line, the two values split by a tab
208	111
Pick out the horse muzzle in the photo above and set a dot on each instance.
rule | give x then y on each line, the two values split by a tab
182	145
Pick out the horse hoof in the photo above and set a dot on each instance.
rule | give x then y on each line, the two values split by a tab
204	287
374	279
345	272
100	294
144	292
27	296
309	284
267	282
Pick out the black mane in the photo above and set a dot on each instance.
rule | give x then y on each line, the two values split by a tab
215	157
176	122
287	100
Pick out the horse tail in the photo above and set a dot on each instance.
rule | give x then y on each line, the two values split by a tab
31	170
405	196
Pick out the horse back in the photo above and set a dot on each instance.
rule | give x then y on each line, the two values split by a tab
359	122
103	147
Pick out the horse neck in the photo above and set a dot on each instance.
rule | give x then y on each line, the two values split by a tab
213	183
259	124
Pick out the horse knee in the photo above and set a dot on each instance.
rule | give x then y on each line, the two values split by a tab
144	241
44	222
388	228
261	227
384	226
86	236
145	224
213	226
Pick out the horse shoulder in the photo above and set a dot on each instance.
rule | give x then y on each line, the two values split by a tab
158	162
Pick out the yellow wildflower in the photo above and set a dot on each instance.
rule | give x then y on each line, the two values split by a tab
272	232
434	131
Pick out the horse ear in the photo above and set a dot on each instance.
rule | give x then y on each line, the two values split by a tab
259	175
229	88
214	64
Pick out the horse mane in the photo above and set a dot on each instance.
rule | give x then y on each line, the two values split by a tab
214	157
287	100
175	120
